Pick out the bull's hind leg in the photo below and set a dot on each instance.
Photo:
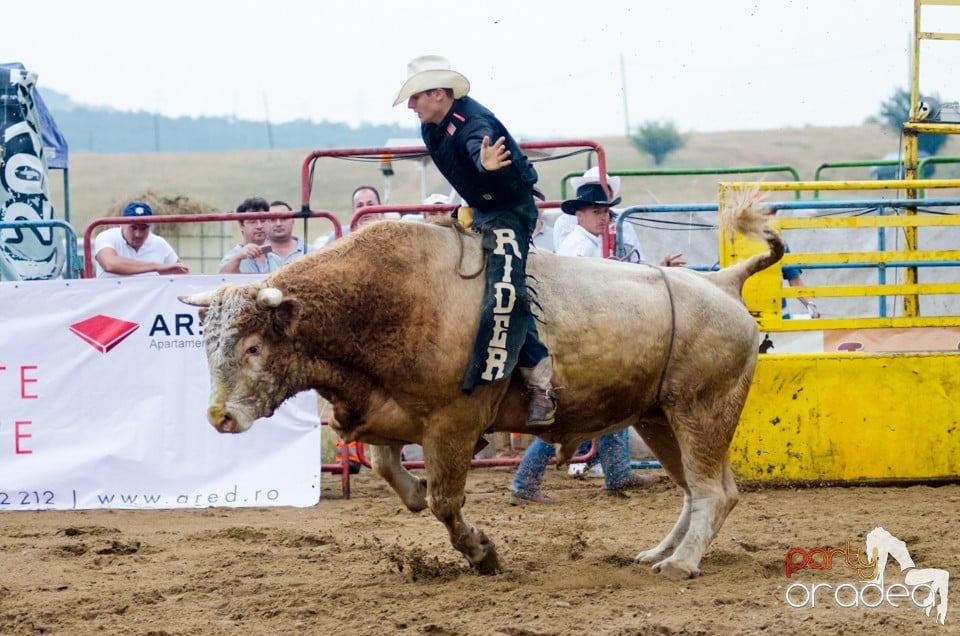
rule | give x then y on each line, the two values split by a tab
386	462
702	430
659	437
447	453
703	434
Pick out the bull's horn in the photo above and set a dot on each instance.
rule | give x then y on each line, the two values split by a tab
203	299
269	297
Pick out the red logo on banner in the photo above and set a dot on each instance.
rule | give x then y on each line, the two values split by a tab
103	333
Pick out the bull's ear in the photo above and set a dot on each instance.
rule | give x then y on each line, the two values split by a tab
285	317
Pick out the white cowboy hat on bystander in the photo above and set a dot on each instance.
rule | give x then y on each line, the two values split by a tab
593	176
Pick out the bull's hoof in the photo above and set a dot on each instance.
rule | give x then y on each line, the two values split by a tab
414	495
676	569
489	564
650	556
420	502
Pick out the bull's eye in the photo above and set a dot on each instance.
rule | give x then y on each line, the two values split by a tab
253	350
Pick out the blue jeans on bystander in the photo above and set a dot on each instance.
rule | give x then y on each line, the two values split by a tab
614	453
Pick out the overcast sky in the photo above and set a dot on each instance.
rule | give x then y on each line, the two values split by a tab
548	69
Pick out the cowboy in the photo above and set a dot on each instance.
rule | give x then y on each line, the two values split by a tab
580	230
485	165
592	211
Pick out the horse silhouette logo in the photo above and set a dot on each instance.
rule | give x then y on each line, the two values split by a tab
882	545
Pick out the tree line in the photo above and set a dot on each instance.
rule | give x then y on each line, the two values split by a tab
661	138
92	129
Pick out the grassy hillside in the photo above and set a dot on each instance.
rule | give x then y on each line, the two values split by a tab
101	182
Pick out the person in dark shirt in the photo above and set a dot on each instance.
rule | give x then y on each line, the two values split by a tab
484	164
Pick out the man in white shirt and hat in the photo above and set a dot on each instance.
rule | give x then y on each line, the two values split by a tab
590	215
481	160
579	231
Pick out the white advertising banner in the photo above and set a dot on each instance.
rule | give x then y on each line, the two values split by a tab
104	386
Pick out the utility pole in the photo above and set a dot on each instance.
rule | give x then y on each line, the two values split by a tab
623	89
266	118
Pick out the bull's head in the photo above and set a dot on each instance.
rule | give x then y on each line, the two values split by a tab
247	330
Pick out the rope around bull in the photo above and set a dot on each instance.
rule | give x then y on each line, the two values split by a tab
673	327
459	230
461	233
673	332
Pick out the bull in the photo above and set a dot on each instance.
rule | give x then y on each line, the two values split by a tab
381	324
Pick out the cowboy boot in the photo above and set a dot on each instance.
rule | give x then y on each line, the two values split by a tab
543	404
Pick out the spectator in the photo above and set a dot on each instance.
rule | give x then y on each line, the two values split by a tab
565	223
793	277
134	249
433	199
592	210
363	197
437	199
543	234
353	459
285	245
480	159
614	458
251	255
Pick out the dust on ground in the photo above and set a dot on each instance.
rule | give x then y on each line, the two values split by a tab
368	566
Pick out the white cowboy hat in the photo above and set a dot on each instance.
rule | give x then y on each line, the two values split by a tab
431	71
436	199
593	176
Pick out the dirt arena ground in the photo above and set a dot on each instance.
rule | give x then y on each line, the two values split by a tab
367	566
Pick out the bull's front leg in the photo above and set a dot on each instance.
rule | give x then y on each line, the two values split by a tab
447	452
386	462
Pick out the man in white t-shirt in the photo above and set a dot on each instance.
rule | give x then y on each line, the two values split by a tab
579	231
131	250
565	223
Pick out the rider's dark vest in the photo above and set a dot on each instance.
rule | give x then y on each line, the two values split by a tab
484	191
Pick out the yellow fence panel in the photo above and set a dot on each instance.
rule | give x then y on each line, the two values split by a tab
842	417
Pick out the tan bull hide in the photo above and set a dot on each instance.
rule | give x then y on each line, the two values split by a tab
381	324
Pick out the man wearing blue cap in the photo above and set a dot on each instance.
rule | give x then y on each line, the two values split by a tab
133	249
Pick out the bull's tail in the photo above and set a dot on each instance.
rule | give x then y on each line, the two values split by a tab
745	215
